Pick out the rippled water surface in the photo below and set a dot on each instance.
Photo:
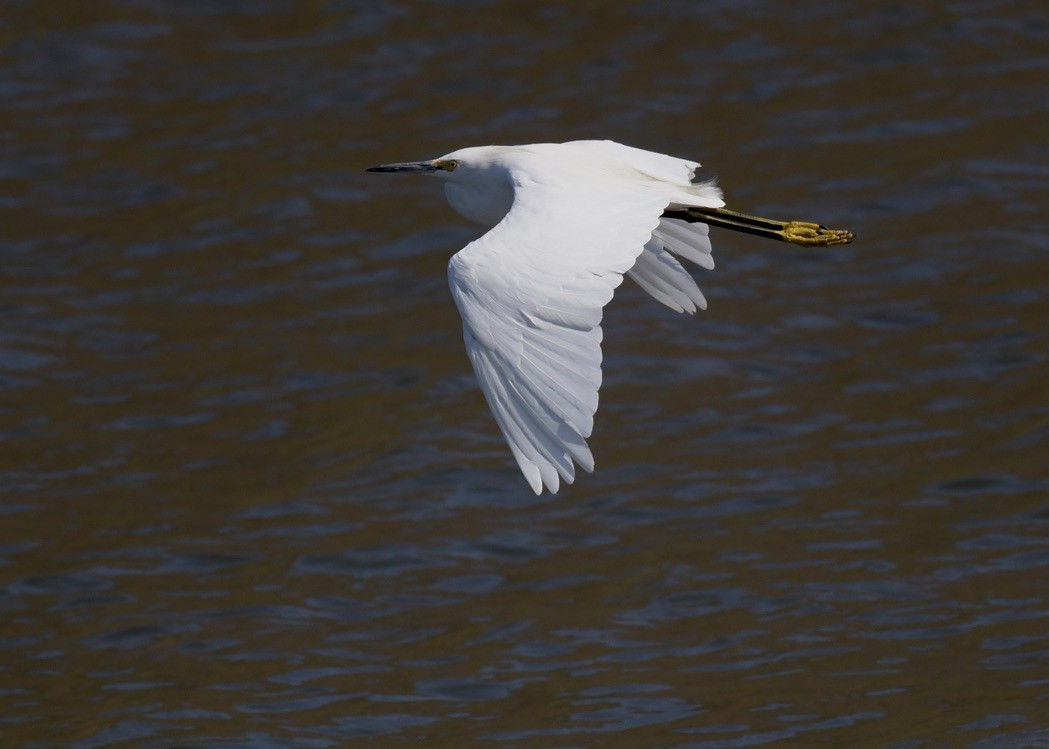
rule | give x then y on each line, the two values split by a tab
251	497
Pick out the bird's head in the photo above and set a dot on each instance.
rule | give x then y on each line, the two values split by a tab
464	164
477	181
445	165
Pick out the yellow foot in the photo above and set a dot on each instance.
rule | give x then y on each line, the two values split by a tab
804	233
808	234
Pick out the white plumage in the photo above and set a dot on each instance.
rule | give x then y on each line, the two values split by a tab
567	222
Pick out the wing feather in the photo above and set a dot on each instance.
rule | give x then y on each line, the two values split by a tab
659	273
531	293
690	241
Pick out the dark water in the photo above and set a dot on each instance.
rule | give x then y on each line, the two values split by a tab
251	496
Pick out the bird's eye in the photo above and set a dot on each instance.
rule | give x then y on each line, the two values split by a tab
450	165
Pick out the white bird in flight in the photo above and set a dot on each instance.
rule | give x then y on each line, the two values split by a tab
566	222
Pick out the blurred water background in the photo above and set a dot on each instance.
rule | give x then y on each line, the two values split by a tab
250	495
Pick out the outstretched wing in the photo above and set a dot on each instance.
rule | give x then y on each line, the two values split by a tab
531	293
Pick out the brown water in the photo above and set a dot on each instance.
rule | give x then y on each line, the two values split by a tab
251	496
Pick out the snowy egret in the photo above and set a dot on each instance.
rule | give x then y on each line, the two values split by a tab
566	221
